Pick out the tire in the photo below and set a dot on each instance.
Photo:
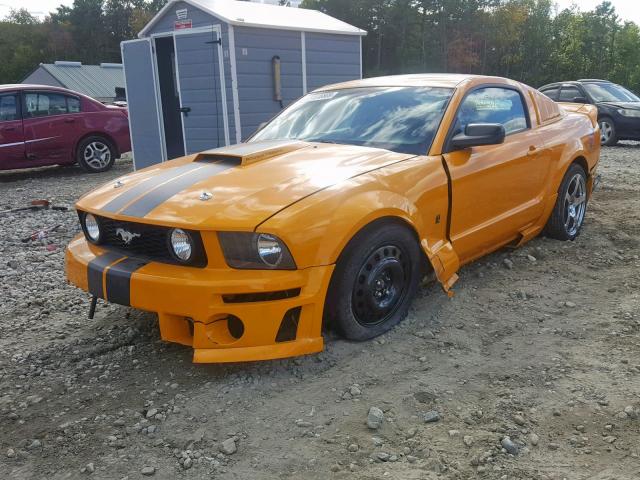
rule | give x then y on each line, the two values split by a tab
608	135
96	154
568	213
375	280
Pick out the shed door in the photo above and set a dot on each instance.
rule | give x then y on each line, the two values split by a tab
144	118
201	87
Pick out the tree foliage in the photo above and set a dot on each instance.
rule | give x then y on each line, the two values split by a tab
528	40
89	31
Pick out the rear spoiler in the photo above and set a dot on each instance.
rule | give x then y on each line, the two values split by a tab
589	110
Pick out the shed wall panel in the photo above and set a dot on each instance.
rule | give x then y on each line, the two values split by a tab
331	59
255	49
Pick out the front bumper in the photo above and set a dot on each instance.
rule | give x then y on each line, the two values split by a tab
627	128
193	304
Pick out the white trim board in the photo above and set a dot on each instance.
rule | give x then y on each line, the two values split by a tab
234	82
175	59
303	47
360	57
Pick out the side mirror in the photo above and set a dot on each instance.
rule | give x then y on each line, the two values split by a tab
477	134
580	100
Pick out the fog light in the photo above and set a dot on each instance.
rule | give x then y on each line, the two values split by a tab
92	228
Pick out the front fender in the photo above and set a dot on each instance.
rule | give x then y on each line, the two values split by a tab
318	228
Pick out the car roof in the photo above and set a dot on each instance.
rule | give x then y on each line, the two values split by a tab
28	86
574	82
447	80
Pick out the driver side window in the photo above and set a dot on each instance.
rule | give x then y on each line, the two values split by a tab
492	105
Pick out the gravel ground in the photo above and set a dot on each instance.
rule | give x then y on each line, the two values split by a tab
530	372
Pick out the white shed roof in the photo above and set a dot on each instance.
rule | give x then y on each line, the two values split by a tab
252	14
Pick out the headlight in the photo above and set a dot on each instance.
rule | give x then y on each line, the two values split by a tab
91	228
181	244
629	113
249	250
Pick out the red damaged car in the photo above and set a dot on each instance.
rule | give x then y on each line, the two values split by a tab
42	125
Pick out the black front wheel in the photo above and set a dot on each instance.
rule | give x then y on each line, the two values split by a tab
374	282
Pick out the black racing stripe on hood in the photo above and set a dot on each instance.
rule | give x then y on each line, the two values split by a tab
130	195
164	192
95	269
118	283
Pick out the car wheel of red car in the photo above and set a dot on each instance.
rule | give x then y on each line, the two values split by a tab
570	208
374	282
96	154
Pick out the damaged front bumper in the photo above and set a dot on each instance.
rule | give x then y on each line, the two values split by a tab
226	315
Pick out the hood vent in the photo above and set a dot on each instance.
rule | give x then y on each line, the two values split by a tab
247	153
212	158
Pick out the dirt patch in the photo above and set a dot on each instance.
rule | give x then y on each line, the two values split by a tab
541	360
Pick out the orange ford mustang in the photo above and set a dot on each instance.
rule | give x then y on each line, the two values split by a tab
334	211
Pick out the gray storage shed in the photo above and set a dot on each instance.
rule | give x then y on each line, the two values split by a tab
207	73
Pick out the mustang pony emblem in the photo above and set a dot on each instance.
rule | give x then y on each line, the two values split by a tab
127	237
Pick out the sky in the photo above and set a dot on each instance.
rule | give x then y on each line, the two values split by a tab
627	9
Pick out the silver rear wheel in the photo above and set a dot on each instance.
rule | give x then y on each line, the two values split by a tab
575	204
568	213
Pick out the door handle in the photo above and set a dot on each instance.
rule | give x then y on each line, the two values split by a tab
185	110
9	129
69	120
532	150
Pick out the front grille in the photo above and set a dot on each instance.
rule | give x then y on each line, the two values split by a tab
146	241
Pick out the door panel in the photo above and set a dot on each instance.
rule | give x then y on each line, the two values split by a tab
147	139
197	59
497	190
48	128
11	133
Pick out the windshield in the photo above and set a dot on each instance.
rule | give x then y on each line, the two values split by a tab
610	92
401	119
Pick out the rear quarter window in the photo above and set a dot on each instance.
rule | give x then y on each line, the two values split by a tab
547	108
73	105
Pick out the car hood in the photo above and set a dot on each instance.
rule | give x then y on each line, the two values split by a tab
627	105
235	187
